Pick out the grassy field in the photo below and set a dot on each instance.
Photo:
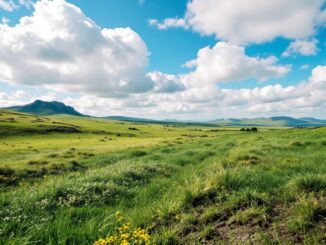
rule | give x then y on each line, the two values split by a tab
70	180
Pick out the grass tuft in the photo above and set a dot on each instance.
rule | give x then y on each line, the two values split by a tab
307	183
305	212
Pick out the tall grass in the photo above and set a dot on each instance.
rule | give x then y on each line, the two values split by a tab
223	188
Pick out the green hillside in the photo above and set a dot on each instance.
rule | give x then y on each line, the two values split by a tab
162	184
14	123
44	108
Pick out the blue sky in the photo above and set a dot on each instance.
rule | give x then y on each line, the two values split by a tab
261	61
169	49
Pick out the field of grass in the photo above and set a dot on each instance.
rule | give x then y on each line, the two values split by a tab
65	179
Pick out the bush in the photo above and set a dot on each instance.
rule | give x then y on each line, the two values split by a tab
254	129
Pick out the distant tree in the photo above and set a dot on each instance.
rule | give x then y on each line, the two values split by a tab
242	129
254	129
248	129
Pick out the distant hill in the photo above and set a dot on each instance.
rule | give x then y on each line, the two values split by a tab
271	121
280	121
153	121
44	108
130	119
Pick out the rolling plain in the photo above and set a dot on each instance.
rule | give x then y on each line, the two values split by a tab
70	180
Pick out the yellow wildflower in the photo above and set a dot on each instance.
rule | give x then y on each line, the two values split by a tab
124	242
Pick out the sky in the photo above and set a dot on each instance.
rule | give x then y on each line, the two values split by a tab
184	59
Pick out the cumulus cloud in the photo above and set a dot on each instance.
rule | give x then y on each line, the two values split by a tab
303	47
209	101
58	46
226	62
318	78
102	71
253	21
165	83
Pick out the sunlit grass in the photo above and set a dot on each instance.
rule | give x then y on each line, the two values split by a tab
173	183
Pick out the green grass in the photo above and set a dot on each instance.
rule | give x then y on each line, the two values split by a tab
188	185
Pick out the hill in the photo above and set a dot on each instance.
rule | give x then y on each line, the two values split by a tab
153	121
281	121
130	119
16	123
44	108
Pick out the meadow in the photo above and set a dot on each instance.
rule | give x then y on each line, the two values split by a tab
75	180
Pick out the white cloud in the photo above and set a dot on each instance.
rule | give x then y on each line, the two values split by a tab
303	47
165	83
226	62
208	102
21	94
318	78
61	49
169	23
17	97
58	46
253	21
8	5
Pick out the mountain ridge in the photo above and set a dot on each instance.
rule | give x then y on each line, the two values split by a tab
45	108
